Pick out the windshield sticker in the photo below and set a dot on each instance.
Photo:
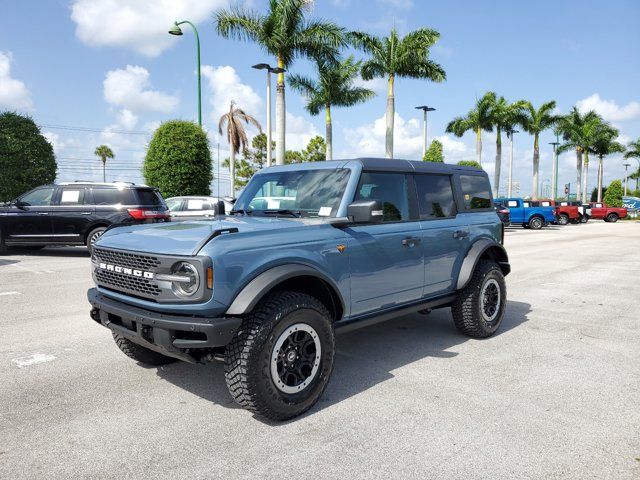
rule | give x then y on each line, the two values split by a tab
324	212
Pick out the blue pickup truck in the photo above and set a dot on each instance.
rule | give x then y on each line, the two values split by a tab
523	212
308	250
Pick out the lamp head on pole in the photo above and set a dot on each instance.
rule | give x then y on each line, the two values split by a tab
175	29
425	108
266	66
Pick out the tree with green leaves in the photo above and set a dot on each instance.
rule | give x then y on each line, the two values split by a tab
633	151
613	195
254	159
434	152
603	145
534	122
103	152
26	156
469	163
396	56
477	120
233	123
178	160
286	33
315	151
333	88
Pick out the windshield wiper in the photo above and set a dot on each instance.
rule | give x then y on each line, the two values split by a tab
284	211
242	211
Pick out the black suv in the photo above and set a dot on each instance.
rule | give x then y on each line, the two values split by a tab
76	213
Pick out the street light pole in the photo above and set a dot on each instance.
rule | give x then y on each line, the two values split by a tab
176	30
424	109
510	135
626	178
555	169
270	70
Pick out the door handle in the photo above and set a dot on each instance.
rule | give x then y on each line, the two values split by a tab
460	233
411	241
85	213
43	213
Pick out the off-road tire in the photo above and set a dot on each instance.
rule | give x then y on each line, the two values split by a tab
536	223
612	217
466	309
96	231
140	353
563	219
249	355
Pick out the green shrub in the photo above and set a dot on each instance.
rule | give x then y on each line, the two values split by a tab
434	152
178	160
613	195
469	163
26	157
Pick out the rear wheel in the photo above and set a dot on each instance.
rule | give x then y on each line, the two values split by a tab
536	223
280	361
140	353
584	218
93	236
480	306
612	217
563	219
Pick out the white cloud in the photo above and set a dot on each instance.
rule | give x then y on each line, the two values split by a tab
141	24
369	139
129	89
609	109
14	94
54	140
224	85
299	132
378	85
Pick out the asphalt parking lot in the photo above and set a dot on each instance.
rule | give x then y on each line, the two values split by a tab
556	394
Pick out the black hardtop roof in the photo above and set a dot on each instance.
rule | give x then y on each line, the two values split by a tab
401	165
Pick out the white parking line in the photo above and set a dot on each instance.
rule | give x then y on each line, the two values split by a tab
34	359
9	293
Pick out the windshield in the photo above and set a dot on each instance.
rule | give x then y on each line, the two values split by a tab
308	193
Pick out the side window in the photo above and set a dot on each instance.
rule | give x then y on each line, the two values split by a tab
38	198
390	189
174	204
512	204
196	204
526	204
476	191
72	196
598	205
435	196
112	196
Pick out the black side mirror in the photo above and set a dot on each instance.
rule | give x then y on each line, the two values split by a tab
218	208
21	205
365	211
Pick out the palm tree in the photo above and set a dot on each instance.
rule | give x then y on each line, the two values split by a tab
534	122
504	116
579	131
396	56
104	152
334	87
604	144
236	136
478	119
633	151
286	33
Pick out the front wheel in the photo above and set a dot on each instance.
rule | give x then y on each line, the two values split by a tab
584	218
563	219
480	306
280	361
612	217
536	223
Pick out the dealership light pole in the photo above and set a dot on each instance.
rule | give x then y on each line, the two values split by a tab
554	181
270	70
510	135
176	30
626	178
424	109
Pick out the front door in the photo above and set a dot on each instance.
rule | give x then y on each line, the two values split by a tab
30	222
71	215
386	259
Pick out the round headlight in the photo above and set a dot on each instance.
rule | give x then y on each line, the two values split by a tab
188	285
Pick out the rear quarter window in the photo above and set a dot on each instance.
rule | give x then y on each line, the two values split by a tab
476	192
149	197
113	196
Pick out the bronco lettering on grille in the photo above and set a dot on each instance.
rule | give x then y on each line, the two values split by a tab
125	270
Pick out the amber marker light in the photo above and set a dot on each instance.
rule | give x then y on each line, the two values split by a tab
210	278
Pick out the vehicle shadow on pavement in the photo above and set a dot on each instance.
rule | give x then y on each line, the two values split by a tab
75	252
364	357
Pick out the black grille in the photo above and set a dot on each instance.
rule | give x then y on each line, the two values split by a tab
127	283
125	259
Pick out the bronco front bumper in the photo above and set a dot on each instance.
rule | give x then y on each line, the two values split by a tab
179	336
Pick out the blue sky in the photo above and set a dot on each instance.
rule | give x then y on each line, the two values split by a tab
110	67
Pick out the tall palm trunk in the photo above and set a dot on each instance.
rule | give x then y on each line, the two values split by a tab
280	116
586	177
232	172
496	175
328	132
600	175
104	169
578	173
479	144
536	165
390	119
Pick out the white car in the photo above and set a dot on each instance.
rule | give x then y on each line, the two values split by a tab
185	208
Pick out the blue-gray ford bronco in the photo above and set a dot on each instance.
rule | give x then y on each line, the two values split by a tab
308	250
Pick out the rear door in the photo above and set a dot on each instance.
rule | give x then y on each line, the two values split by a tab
31	222
516	210
71	215
444	237
387	267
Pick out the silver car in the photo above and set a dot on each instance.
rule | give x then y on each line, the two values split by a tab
191	207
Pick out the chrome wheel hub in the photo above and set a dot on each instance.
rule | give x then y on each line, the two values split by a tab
295	358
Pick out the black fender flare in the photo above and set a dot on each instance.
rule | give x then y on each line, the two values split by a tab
474	255
257	288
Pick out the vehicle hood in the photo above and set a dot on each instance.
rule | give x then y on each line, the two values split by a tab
186	238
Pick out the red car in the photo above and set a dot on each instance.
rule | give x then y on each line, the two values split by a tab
606	213
564	213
